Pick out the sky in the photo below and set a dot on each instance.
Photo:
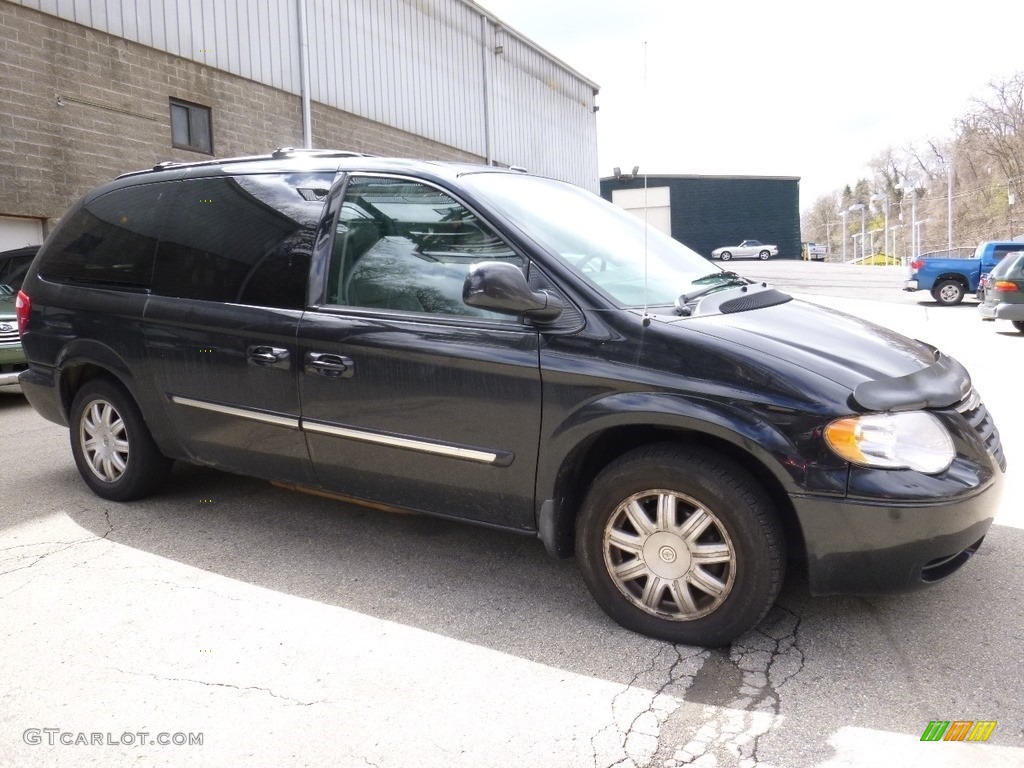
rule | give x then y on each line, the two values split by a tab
783	88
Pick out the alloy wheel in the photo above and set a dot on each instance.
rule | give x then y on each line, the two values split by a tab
104	440
669	555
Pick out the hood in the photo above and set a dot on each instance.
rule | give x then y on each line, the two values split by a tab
846	350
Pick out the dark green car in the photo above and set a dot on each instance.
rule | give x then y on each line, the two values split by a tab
13	266
12	357
1004	291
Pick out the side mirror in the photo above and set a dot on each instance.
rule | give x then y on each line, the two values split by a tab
501	287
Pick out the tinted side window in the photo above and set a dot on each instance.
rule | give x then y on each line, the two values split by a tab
403	245
242	239
112	240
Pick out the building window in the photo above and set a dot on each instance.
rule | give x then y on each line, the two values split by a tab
190	127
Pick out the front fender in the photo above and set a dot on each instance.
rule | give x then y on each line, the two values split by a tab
785	443
744	427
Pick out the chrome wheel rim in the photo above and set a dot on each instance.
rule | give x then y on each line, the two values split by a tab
669	555
949	292
764	255
104	441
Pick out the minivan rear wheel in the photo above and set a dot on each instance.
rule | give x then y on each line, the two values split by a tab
680	545
112	446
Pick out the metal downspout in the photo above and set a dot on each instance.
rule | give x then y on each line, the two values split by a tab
488	53
307	111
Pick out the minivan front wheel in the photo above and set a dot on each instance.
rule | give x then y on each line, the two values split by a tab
680	545
112	446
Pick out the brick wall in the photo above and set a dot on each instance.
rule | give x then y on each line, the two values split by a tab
78	107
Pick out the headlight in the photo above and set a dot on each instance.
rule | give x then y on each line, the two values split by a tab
912	440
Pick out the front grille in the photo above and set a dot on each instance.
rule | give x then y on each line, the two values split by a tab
8	333
981	421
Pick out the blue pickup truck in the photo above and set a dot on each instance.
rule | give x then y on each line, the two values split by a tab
949	280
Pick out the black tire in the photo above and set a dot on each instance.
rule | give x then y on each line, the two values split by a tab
948	292
725	256
1019	325
111	443
734	523
764	255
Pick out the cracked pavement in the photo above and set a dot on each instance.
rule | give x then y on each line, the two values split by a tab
292	631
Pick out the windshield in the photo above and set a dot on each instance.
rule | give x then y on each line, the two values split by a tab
602	243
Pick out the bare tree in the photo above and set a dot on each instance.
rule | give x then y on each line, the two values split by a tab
986	158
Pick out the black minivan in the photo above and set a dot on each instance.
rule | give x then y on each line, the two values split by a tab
509	350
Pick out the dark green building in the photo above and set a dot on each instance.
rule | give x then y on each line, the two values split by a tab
708	212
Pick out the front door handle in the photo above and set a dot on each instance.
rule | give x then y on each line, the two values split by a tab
265	356
328	365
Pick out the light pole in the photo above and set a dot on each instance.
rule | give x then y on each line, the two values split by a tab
844	213
1010	200
895	228
949	207
872	233
917	234
863	225
915	247
885	206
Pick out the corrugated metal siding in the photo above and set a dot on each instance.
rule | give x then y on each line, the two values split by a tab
250	38
415	65
542	113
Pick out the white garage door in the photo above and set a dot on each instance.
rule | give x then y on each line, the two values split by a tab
658	205
17	233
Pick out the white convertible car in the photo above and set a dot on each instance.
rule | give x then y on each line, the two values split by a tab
747	249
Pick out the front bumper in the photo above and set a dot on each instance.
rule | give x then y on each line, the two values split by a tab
861	548
1003	311
910	285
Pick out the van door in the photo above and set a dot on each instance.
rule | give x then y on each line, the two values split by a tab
411	398
229	288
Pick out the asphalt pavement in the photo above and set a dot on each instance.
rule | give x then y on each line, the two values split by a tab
246	625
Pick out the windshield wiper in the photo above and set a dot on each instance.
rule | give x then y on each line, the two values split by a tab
718	280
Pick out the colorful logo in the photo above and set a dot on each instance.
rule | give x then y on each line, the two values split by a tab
958	730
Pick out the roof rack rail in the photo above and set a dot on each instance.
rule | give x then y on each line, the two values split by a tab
279	154
282	152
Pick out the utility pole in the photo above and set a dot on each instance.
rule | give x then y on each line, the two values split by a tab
949	206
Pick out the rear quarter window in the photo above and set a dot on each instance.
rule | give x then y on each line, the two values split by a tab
111	240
